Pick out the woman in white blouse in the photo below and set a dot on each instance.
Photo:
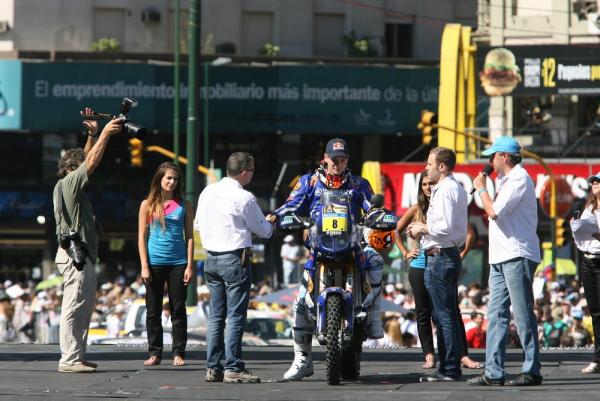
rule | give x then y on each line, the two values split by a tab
590	269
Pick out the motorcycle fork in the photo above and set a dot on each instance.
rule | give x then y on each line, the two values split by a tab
337	278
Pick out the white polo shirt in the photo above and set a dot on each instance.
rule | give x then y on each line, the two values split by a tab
447	215
513	233
227	216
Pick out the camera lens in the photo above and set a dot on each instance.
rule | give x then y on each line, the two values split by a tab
136	131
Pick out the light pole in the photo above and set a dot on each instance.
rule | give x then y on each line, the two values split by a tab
192	126
215	63
176	83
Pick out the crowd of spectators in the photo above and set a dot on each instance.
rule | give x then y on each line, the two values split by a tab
561	309
28	315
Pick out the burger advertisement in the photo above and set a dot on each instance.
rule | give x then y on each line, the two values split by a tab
538	70
500	74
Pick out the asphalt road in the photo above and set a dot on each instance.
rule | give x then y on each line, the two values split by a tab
29	372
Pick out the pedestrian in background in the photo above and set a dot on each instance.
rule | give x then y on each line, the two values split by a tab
73	213
226	217
166	247
514	253
444	231
590	269
291	254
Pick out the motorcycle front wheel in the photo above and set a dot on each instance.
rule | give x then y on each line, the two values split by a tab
333	357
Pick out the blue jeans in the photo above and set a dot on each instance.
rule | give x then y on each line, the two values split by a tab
441	281
229	285
511	282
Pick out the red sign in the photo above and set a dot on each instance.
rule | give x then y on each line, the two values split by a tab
402	179
564	197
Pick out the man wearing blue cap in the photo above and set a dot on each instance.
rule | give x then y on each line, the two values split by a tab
514	253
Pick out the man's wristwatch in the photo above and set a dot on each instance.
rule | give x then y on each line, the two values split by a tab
92	136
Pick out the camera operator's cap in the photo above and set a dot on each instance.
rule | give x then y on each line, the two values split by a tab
288	238
594	177
505	144
337	147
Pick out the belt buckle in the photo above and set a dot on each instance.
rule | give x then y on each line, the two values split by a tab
432	251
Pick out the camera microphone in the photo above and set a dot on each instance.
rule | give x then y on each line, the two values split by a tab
487	170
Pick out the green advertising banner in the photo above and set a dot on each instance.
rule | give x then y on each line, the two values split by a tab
299	99
10	94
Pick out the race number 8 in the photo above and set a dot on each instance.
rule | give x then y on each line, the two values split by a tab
334	224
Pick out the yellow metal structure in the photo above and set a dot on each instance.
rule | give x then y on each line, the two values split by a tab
371	172
457	104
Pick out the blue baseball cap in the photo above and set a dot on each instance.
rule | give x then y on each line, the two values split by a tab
594	177
337	147
506	144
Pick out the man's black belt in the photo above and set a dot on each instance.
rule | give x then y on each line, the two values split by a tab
237	252
439	251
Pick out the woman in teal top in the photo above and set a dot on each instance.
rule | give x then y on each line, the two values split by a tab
166	247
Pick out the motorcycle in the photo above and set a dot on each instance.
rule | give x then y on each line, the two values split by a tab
339	286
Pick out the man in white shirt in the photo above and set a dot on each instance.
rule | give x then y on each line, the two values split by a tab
226	218
514	253
444	232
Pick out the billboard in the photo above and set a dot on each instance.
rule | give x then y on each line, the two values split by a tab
242	99
401	181
548	70
10	94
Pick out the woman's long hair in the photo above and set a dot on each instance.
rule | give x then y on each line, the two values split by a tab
156	197
422	200
591	201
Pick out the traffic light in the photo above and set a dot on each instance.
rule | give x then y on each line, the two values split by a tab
136	148
560	231
427	119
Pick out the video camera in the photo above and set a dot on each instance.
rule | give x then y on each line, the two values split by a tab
131	128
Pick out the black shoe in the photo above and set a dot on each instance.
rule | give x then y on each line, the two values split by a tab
526	379
483	380
436	377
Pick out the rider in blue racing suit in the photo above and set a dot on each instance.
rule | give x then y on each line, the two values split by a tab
304	200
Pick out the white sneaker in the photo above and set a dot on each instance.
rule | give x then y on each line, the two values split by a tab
302	366
591	368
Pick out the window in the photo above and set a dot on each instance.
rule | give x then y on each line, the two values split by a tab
110	23
257	29
328	35
398	40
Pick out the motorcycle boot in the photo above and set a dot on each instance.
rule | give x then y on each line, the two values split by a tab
374	324
302	366
372	302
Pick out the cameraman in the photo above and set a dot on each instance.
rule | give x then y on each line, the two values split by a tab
73	213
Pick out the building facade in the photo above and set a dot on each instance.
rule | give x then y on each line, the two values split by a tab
307	28
359	70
